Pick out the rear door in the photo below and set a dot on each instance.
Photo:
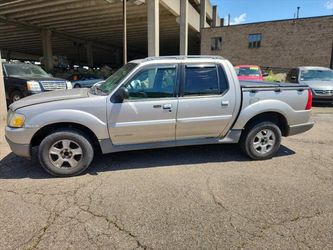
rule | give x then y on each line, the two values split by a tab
206	105
149	114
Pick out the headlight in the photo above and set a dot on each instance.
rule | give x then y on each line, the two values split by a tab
15	120
69	85
33	86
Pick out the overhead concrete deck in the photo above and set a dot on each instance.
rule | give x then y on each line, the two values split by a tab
92	30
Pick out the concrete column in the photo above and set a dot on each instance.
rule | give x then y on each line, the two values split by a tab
3	103
90	55
47	49
153	22
214	21
203	14
222	22
183	32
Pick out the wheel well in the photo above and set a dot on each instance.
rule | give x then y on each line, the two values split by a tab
45	131
274	117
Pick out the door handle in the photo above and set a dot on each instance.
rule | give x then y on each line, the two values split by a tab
167	106
224	104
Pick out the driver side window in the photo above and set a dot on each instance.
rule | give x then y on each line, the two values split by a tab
157	82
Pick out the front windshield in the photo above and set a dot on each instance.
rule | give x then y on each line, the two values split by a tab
25	70
316	75
252	71
112	82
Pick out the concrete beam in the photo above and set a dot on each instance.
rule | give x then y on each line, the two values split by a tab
153	24
54	32
174	7
90	54
47	49
183	31
3	103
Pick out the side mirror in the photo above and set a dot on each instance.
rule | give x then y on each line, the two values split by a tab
120	95
265	74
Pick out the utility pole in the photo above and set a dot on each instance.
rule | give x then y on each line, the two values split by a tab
3	104
228	19
125	32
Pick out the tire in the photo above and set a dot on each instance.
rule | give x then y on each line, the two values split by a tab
15	96
261	141
65	153
76	86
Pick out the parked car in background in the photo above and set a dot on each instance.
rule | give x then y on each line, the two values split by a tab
249	73
153	103
23	79
83	80
319	79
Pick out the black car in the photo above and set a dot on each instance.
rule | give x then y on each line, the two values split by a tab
23	79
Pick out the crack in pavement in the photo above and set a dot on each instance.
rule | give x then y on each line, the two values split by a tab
262	228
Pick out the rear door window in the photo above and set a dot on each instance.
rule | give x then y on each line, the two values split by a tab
201	80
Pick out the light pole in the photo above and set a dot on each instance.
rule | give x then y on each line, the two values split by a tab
125	32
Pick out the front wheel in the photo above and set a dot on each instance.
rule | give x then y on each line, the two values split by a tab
65	153
261	141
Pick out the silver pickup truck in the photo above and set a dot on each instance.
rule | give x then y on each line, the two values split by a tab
154	103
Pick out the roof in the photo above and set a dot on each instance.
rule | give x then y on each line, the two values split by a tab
178	58
247	66
272	21
313	68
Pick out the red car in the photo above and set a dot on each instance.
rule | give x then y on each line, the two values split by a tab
249	73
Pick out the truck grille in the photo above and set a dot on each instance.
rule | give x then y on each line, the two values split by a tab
323	92
53	85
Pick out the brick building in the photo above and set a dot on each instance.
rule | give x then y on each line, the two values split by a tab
277	44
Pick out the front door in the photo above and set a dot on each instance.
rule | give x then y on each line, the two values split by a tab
206	106
149	114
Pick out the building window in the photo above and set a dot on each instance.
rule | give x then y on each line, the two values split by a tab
216	43
255	41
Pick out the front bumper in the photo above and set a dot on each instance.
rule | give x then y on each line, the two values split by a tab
22	150
300	128
19	140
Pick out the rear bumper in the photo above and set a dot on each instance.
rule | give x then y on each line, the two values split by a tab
300	128
22	150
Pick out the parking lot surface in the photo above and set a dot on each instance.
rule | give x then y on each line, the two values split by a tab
203	197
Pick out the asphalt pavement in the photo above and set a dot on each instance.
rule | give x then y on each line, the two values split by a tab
202	197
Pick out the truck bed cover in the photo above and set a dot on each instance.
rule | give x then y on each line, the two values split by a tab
270	85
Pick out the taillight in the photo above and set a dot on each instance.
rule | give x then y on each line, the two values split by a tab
309	103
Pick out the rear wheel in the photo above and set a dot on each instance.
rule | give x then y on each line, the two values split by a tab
76	86
65	153
261	141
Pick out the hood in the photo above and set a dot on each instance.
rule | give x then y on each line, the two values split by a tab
29	78
250	78
320	85
51	96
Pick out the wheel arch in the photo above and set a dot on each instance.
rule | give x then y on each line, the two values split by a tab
272	116
45	131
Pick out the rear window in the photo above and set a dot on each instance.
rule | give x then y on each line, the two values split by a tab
248	71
